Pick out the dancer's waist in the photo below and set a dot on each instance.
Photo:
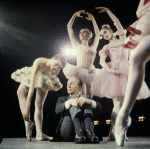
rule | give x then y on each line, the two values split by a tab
118	61
86	67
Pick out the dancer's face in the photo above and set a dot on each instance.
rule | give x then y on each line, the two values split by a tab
83	35
106	34
56	65
72	86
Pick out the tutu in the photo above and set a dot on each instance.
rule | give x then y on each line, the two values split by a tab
44	79
85	59
109	85
71	70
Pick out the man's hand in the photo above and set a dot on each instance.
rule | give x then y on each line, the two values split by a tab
81	101
73	102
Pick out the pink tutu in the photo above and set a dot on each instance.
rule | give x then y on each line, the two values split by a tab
110	86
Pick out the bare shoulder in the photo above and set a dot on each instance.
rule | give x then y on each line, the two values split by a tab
105	47
40	60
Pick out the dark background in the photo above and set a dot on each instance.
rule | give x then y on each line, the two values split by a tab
33	29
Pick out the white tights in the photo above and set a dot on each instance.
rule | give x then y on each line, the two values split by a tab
136	75
117	101
39	102
88	89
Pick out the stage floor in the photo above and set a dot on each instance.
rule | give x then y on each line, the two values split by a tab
22	143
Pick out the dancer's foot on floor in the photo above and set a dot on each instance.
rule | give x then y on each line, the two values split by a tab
29	128
111	137
42	137
120	130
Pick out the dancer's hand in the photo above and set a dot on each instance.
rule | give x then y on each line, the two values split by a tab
114	72
78	14
81	101
102	9
90	16
26	114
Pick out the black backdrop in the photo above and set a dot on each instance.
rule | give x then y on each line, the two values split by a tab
33	29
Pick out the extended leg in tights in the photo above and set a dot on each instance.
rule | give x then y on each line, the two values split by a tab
39	102
136	75
21	93
118	101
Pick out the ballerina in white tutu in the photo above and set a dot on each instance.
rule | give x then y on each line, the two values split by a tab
139	42
85	55
112	79
42	76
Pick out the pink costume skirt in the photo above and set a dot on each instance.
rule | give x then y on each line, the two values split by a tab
110	86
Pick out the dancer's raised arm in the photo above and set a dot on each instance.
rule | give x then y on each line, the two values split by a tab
70	30
96	29
116	21
142	8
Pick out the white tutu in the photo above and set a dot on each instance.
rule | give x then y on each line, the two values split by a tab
85	76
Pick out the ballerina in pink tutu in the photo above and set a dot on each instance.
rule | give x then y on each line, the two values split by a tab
85	55
112	79
139	40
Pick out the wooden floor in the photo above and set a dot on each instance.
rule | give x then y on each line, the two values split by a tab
22	143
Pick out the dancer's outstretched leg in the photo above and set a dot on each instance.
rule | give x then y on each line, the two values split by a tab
114	114
117	106
136	74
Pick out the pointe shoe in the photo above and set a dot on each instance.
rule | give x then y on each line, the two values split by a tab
29	128
42	137
127	139
111	137
120	138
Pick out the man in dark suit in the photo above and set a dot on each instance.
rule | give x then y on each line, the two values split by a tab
76	115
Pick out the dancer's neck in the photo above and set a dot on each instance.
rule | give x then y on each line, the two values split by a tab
85	42
112	40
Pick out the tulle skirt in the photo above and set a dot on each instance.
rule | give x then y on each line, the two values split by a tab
44	79
85	76
110	86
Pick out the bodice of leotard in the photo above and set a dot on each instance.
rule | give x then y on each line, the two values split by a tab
117	54
85	57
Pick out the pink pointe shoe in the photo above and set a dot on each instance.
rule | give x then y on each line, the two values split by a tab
29	128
